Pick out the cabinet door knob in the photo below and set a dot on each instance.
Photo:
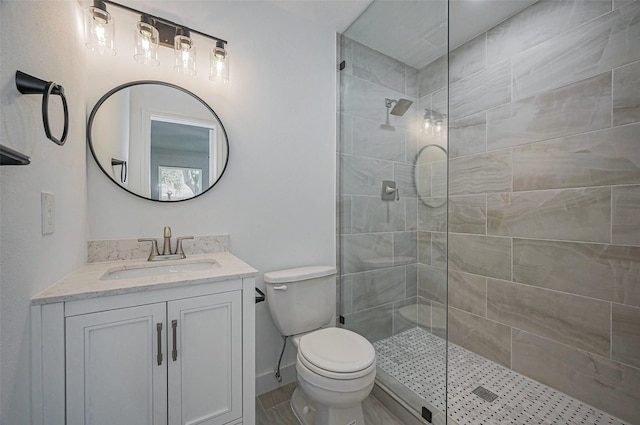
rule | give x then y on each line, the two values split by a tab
174	352
159	331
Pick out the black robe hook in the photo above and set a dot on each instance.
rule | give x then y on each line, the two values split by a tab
28	84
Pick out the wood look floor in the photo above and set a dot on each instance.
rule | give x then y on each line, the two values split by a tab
273	408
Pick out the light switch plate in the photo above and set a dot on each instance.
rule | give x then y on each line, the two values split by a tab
48	213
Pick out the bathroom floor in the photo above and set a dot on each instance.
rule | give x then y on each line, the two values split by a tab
273	408
415	358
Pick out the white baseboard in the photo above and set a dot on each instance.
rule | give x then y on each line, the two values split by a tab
267	381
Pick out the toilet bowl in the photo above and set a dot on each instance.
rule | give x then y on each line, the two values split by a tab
335	367
336	370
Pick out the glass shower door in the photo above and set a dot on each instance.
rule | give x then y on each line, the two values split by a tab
392	195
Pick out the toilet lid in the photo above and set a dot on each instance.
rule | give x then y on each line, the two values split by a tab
337	350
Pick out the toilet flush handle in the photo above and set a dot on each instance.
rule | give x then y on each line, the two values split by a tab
280	288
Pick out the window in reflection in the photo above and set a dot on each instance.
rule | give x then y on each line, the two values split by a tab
183	155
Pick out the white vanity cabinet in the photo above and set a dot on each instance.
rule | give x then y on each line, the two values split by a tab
179	360
170	355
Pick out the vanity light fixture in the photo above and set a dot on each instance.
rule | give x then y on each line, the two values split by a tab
146	51
219	61
100	29
185	52
152	32
433	122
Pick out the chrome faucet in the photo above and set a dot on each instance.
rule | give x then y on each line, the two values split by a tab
155	254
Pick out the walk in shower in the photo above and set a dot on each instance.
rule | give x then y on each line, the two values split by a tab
489	230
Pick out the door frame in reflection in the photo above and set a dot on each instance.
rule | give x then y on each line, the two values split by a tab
144	156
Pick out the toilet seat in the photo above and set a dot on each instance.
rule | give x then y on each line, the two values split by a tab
336	353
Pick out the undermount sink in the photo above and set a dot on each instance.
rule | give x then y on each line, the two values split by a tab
129	272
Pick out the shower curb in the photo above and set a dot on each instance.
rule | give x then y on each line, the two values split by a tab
399	408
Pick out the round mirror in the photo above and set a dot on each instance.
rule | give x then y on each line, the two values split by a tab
158	141
431	175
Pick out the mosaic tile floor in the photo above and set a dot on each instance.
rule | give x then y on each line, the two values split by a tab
416	358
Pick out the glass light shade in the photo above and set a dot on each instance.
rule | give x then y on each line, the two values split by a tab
219	62
100	31
146	51
185	54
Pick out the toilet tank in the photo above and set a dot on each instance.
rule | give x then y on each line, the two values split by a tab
302	299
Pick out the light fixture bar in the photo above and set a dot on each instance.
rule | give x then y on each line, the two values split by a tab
165	27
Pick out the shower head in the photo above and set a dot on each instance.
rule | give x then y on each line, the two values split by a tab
400	107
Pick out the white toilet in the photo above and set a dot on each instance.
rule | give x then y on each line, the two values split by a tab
336	367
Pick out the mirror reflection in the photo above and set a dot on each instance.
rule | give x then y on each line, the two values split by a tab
158	141
431	175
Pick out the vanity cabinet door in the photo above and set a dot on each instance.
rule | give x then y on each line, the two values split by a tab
205	369
112	370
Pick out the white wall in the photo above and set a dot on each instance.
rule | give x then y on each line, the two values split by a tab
276	198
40	38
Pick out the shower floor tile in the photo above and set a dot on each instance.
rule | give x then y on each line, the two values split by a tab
416	358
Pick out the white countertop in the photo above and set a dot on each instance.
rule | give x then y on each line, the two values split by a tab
85	282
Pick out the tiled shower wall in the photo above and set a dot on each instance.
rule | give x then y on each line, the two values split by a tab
544	198
378	239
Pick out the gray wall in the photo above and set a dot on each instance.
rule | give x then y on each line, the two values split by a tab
378	239
544	217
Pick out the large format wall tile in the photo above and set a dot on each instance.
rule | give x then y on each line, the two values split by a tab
405	315
345	303
573	109
433	76
468	214
345	144
424	248
487	338
411	211
363	176
605	384
344	209
380	69
606	43
620	3
405	248
370	214
483	255
432	283
578	321
625	328
481	173
373	324
439	250
366	252
468	135
607	272
568	214
468	58
483	90
439	319
626	219
468	292
371	289
403	176
370	141
424	313
606	157
626	94
411	280
539	23
432	215
365	99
